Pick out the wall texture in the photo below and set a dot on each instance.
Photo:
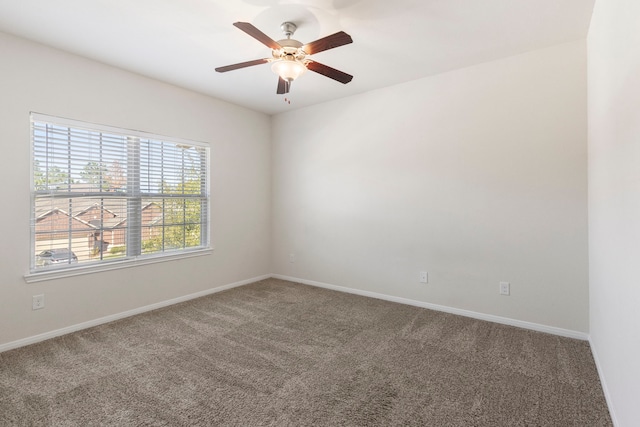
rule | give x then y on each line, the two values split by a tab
40	79
476	176
614	202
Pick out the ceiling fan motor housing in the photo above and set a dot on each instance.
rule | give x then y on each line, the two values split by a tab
291	49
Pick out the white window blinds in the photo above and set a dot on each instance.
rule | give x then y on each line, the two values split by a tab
102	194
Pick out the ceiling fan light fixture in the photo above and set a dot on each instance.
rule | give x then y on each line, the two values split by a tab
288	69
288	56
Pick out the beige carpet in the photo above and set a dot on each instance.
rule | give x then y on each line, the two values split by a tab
284	354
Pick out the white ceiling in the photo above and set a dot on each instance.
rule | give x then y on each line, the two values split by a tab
182	41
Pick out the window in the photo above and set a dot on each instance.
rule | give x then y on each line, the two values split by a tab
106	195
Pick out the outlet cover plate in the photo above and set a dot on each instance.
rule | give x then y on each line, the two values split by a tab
38	302
505	288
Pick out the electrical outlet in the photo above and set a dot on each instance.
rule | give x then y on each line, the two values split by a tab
424	277
505	288
38	302
292	257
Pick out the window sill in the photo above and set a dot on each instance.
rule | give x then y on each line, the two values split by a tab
114	265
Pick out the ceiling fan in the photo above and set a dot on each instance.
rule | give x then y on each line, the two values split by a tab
289	57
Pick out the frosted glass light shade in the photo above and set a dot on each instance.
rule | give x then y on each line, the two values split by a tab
288	69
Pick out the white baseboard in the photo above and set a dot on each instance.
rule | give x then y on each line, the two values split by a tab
603	383
481	316
84	325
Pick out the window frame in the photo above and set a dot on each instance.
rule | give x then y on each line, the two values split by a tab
39	274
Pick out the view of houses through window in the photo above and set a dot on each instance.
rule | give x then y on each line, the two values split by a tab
102	194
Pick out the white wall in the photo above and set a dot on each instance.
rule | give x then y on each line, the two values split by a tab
477	176
614	202
40	79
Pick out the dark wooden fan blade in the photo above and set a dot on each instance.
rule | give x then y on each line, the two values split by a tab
241	65
334	40
257	34
283	86
332	73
